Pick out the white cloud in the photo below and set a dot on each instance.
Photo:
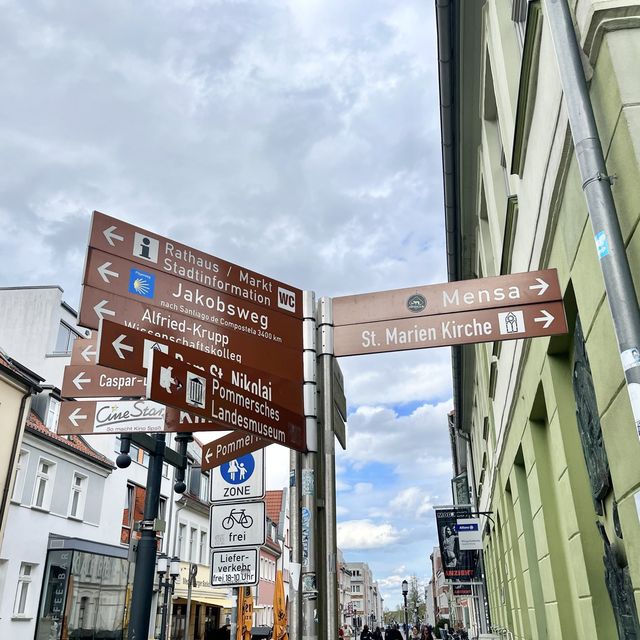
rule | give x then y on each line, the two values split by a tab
364	534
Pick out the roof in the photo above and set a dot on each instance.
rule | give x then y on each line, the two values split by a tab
19	371
273	500
74	443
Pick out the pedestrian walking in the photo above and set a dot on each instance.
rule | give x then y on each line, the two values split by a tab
366	634
377	634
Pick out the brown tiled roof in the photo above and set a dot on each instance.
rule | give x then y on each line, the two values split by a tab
273	500
73	443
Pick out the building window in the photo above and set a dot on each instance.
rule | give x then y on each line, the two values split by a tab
203	547
53	413
193	534
43	484
519	17
65	339
22	592
204	487
21	472
182	530
128	514
78	494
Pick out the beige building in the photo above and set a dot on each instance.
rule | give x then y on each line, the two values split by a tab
17	387
547	423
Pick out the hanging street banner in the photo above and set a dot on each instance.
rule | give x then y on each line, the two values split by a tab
165	327
229	447
458	565
84	350
235	567
110	416
167	292
518	289
86	417
241	478
100	382
121	239
127	350
237	525
253	410
467	327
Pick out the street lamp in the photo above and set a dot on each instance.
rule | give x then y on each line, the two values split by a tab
405	590
168	584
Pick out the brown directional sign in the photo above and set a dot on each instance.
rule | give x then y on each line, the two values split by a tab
168	292
230	447
187	387
219	341
487	325
111	416
518	289
124	349
127	416
97	382
84	350
119	238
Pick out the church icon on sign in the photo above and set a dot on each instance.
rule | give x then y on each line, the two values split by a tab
511	322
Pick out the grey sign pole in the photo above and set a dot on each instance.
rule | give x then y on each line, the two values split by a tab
327	437
308	475
596	185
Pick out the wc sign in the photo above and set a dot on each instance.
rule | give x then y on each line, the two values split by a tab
239	479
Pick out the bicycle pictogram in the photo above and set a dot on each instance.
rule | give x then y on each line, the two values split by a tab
237	516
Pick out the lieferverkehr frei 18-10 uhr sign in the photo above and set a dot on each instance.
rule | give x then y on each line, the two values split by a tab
521	305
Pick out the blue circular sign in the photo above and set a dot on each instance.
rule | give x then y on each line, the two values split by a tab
239	470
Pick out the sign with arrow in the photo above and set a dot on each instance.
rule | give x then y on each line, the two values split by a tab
167	292
96	382
518	289
167	327
229	447
125	416
470	327
127	349
84	351
188	387
112	416
124	240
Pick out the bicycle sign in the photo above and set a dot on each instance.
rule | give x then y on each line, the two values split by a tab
239	479
237	525
237	516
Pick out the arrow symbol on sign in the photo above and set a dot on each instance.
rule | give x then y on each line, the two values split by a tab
111	236
207	456
119	346
103	270
547	318
79	380
87	352
542	286
102	311
75	416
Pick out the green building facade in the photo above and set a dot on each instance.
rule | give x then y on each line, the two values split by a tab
551	446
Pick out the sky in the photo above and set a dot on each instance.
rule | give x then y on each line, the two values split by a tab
296	138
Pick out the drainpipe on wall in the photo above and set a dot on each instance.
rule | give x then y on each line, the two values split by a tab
596	184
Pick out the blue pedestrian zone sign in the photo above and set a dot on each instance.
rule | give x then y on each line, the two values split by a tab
238	471
239	479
